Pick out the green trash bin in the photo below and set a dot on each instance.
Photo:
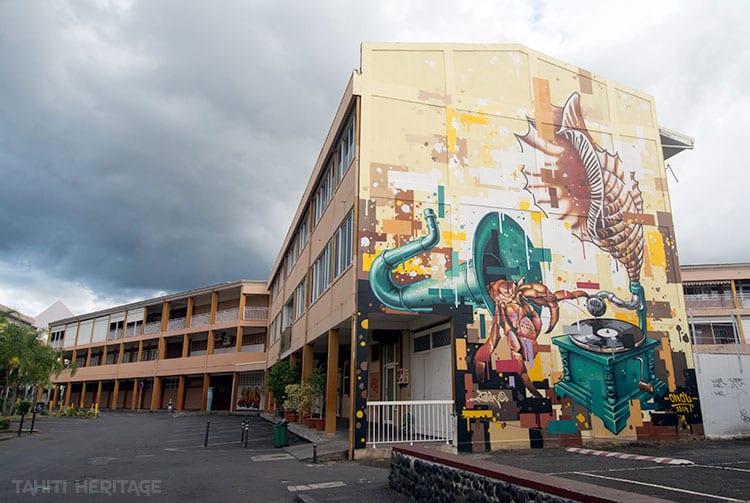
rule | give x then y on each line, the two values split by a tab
280	434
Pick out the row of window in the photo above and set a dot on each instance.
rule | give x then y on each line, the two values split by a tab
336	167
333	260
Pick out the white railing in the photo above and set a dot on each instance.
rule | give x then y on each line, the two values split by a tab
152	327
200	320
227	315
409	422
256	313
176	323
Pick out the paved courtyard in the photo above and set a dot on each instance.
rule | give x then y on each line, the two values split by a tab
128	456
124	457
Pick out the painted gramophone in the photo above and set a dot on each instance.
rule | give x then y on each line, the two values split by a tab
606	362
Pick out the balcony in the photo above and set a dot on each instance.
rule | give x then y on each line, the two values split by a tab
256	314
710	301
200	320
153	327
176	323
227	315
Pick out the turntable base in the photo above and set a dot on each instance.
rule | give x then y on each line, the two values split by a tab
605	381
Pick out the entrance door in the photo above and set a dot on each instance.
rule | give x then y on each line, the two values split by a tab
432	372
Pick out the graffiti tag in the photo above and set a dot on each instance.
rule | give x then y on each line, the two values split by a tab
485	396
682	402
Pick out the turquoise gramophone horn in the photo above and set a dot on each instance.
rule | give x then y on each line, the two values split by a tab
500	250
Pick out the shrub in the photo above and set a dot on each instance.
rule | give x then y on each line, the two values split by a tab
4	423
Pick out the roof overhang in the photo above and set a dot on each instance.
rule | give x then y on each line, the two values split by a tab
672	142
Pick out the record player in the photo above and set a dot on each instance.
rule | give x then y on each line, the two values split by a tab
607	362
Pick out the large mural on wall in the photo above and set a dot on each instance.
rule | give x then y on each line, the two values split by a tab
549	243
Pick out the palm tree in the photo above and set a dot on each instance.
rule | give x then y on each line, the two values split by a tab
24	360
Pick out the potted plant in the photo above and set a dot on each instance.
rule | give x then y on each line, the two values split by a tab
292	402
317	383
281	375
305	406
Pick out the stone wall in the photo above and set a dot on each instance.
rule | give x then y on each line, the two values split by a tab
427	475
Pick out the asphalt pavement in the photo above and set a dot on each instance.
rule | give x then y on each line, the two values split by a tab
126	456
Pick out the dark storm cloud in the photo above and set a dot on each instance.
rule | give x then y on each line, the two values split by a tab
161	147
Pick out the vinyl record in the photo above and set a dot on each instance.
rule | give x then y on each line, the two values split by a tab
606	335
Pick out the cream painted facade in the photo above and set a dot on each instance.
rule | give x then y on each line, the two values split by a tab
199	350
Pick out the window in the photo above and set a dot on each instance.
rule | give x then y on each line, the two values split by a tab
291	256
115	330
302	234
133	328
346	149
343	246
299	298
323	193
321	273
171	383
288	313
276	285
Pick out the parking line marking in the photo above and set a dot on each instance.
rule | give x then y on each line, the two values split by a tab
320	485
659	486
724	468
635	457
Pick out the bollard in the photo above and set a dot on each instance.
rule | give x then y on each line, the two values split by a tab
33	419
247	433
315	454
205	441
242	431
20	426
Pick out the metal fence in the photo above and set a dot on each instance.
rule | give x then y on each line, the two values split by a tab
400	422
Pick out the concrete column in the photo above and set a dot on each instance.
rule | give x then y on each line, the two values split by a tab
235	383
55	396
214	306
134	398
98	393
189	313
185	346
307	361
181	393
156	394
332	381
140	350
210	342
115	392
68	390
119	355
204	397
164	316
82	400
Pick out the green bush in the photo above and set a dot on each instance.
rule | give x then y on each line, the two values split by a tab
4	423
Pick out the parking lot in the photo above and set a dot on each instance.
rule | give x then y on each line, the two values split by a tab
694	471
124	456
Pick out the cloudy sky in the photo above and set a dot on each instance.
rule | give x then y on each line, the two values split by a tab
156	146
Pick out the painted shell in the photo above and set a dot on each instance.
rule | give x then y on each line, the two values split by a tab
589	188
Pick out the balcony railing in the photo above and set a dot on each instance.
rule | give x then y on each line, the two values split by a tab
152	327
227	315
410	422
256	314
176	323
200	320
718	301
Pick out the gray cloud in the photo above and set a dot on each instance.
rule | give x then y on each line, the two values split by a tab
159	146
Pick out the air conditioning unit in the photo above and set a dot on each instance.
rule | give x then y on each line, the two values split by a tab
226	340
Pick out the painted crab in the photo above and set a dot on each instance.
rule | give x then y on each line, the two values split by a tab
515	315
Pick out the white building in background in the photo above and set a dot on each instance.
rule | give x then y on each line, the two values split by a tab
717	298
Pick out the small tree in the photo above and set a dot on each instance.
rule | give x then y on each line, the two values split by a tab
317	383
281	375
25	360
